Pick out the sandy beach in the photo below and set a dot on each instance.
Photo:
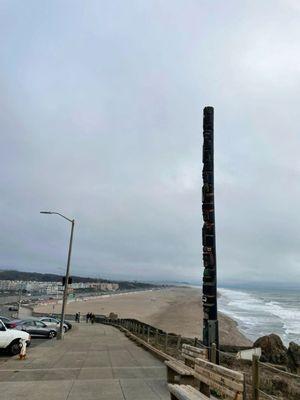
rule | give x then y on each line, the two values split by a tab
176	310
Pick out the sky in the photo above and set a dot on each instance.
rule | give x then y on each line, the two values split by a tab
101	119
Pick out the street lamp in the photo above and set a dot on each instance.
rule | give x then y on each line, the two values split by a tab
65	296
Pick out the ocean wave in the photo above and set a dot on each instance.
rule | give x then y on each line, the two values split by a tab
259	313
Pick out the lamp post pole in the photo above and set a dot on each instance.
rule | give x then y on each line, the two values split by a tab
65	295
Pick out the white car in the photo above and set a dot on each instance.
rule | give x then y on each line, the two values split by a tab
53	322
10	339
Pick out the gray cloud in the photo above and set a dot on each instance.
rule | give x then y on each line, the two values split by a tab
100	117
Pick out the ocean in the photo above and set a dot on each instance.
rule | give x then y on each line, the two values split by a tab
261	312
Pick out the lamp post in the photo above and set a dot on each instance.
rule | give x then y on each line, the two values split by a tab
65	296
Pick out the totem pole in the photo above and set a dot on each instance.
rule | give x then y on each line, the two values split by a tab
210	313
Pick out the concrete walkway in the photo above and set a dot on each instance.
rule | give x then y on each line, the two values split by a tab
93	362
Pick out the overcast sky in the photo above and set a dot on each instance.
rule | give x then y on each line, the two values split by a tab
101	119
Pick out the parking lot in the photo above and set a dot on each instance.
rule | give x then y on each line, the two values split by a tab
35	342
39	335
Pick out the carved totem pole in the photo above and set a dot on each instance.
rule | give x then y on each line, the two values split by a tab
210	313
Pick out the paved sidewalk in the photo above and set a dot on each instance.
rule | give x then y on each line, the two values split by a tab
93	362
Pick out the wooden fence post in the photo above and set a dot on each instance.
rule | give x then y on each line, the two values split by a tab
213	354
178	343
255	377
166	343
148	334
156	337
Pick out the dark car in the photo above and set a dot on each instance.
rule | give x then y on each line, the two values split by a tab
69	325
5	320
34	327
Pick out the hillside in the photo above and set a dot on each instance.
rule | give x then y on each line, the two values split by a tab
15	275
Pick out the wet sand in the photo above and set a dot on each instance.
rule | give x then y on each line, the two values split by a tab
177	310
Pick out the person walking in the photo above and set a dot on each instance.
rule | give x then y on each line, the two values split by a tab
87	317
78	317
93	317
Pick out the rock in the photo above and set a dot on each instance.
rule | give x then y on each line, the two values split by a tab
272	349
113	316
293	355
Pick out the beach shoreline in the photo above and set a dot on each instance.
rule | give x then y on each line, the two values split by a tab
175	309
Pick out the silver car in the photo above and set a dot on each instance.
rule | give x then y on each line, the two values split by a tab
53	323
35	328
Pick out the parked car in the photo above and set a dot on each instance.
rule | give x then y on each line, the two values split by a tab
69	325
10	339
5	320
34	327
54	323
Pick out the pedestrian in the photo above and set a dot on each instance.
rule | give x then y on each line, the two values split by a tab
76	317
79	317
93	317
87	317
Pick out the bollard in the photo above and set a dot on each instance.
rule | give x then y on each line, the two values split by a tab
23	345
255	377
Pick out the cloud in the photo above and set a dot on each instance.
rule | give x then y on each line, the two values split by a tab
100	118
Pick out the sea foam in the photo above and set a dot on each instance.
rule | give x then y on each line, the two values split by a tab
260	312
